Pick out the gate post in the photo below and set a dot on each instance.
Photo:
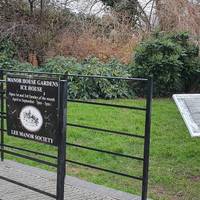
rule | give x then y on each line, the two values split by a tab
147	138
61	168
2	119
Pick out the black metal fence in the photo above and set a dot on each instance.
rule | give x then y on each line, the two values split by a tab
145	137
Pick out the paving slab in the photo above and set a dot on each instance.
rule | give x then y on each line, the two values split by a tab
75	189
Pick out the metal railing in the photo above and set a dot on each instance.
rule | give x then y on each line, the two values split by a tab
145	137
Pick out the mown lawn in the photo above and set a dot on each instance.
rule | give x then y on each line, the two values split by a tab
175	156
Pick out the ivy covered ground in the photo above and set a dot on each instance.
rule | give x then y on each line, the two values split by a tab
175	156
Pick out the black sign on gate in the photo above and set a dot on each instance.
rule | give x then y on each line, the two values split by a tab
36	110
32	108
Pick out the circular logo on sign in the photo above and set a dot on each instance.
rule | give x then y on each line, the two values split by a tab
31	118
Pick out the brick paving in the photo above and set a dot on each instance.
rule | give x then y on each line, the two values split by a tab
75	189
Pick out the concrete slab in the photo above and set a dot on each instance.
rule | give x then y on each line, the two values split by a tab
189	107
75	189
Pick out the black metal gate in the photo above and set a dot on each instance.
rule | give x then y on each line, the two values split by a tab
148	83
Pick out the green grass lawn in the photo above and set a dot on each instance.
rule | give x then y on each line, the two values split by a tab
174	160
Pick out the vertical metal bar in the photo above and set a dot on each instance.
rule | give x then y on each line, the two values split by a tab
2	119
61	170
147	139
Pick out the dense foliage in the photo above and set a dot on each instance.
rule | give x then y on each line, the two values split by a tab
171	59
82	88
7	57
48	28
88	88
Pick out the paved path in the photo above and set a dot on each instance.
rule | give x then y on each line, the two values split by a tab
75	189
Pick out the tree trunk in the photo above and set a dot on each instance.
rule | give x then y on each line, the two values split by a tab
31	2
41	7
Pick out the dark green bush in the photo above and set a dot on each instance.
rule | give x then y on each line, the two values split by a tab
7	52
172	60
7	48
82	88
92	88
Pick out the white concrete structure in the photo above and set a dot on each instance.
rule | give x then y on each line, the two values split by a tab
189	107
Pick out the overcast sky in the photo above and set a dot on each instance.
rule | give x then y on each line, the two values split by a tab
89	6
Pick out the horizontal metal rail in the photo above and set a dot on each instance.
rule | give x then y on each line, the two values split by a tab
71	161
32	72
108	77
30	151
28	187
106	104
103	169
105	151
3	113
2	116
4	130
28	157
80	76
99	129
106	130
